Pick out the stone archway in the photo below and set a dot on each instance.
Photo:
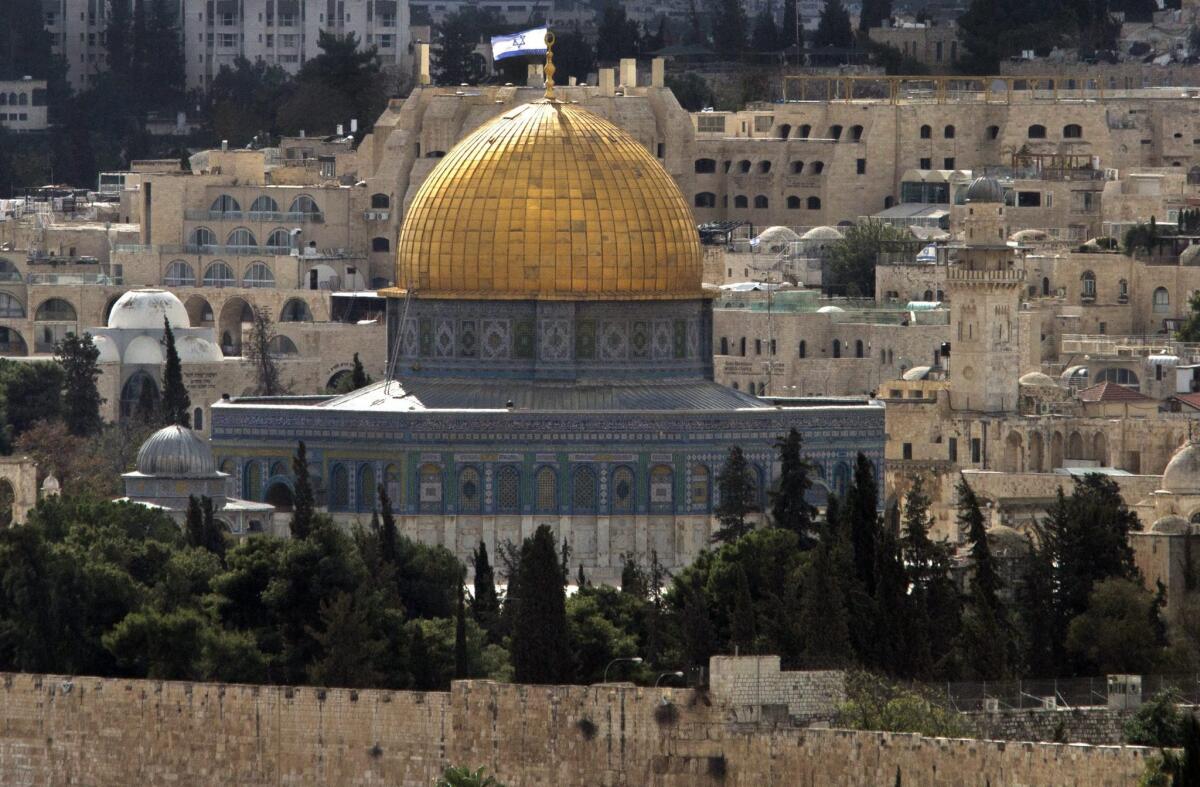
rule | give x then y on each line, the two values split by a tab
200	311
1014	459
1075	448
1036	450
234	325
1100	448
1056	451
18	489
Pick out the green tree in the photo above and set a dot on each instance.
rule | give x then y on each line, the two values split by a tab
833	28
348	645
790	508
690	90
259	350
1157	722
118	39
852	259
766	36
358	376
540	647
743	632
862	514
465	777
737	488
201	528
303	505
347	80
874	13
984	641
1115	633
24	44
455	38
1189	775
32	393
932	592
617	35
462	667
604	624
78	356
574	56
729	28
824	617
388	535
176	404
1190	330
787	32
244	101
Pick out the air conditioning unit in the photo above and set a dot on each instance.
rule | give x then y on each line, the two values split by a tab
991	705
1050	703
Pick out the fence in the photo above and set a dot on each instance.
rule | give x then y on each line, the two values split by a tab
1066	692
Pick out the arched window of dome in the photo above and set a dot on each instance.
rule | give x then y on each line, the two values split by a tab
835	132
793	202
705	166
282	346
744	165
1087	285
203	238
1072	131
622	490
939	295
797	167
295	310
252	480
469	493
699	488
12	99
1161	301
339	487
1036	131
380	201
263	204
279	241
225	204
545	483
381	244
393	482
740	201
198	419
258	275
837	348
366	488
662	489
305	206
761	201
856	133
816	168
803	349
814	203
508	490
241	238
764	167
805	132
10	306
706	199
430	488
858	348
55	310
948	132
180	274
140	392
583	491
219	274
926	131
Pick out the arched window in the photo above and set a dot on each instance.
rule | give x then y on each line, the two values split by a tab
295	310
1123	291
1037	131
948	132
858	348
279	241
662	492
993	132
1161	301
793	202
814	203
803	348
241	238
3	99
785	131
841	478
219	275
705	166
797	167
1072	131
1088	284
816	168
264	204
926	132
305	205
258	275
508	497
699	488
764	167
469	491
252	480
139	391
706	199
837	348
622	491
225	204
23	99
393	482
835	132
744	165
1045	285
856	133
740	201
805	132
583	491
430	488
180	274
546	486
761	201
10	306
927	295
380	201
55	310
198	419
339	487
366	488
202	236
1119	376
281	346
381	244
724	346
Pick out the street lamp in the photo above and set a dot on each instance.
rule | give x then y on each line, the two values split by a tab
676	674
630	659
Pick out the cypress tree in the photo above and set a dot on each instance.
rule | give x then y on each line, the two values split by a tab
81	398
787	34
462	669
736	486
765	37
897	636
176	404
540	645
833	28
699	638
485	608
790	508
303	505
729	27
388	537
146	410
193	523
214	533
358	375
823	614
984	641
862	514
1189	770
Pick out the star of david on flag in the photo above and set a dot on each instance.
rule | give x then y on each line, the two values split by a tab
527	42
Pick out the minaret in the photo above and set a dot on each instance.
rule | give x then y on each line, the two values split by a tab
984	287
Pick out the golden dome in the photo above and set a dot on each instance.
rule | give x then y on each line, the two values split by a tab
549	202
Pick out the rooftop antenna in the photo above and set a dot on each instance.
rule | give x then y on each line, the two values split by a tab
549	70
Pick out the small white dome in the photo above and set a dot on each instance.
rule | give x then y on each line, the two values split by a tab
1037	380
1182	476
822	233
917	373
108	350
176	451
195	349
145	310
144	349
778	235
830	310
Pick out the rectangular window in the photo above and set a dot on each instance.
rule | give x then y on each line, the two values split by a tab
764	123
229	39
861	166
908	450
938	50
953	444
387	41
270	40
976	450
948	162
758	346
1029	199
707	123
926	163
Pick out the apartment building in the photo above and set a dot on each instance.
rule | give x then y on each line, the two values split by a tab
23	105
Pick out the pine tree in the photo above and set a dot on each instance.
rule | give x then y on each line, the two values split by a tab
823	616
485	607
258	350
790	508
302	500
729	28
213	538
1189	771
462	668
985	582
696	628
742	631
862	514
900	644
81	398
787	33
166	88
358	376
139	66
735	484
873	14
176	404
540	644
117	38
984	640
766	35
347	643
833	28
388	536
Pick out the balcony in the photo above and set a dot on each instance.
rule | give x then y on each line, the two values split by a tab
254	216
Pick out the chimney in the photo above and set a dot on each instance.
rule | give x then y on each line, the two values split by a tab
628	72
571	81
339	129
422	59
353	125
607	81
657	66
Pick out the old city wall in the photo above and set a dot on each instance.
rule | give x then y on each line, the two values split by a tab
56	730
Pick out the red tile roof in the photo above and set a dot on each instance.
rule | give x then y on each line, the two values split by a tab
1111	392
1192	400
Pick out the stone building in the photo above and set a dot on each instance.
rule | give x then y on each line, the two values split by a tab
23	105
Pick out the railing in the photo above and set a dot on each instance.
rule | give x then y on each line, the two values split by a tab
132	248
999	277
253	216
1137	345
73	278
1066	692
224	251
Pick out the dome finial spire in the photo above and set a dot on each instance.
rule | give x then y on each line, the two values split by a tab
549	70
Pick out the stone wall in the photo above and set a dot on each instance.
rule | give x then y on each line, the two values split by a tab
59	730
750	685
1097	726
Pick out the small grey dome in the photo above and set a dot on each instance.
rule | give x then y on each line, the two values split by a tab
176	451
1037	380
985	190
1171	525
1182	475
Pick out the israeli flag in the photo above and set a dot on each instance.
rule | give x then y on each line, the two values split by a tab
530	42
